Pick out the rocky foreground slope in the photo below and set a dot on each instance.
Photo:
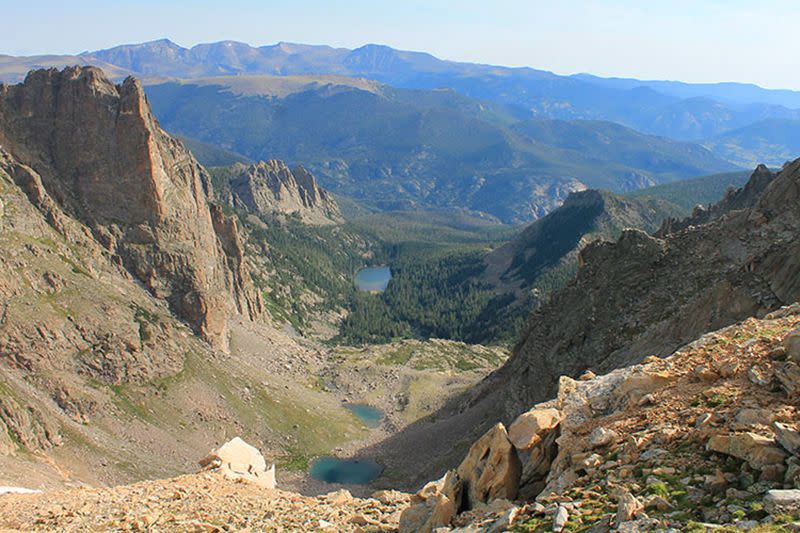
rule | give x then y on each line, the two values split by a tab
703	438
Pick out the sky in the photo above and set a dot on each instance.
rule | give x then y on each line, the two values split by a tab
688	40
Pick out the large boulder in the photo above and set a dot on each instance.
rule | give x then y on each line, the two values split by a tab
788	437
238	460
433	506
782	501
792	345
531	427
757	450
491	470
534	435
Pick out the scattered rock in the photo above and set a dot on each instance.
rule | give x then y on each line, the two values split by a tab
647	399
760	376
704	373
391	497
728	369
702	420
505	521
638	385
715	483
602	437
752	417
789	376
338	497
792	345
433	506
628	507
561	518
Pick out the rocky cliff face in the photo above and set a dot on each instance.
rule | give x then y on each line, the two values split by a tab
555	240
647	296
741	198
270	187
100	156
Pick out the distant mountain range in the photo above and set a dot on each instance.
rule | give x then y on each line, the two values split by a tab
408	130
678	110
409	148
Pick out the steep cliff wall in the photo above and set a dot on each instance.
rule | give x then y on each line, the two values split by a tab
104	160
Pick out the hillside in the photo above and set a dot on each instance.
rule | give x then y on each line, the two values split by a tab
653	389
400	149
632	298
771	142
610	142
551	244
686	194
209	155
643	293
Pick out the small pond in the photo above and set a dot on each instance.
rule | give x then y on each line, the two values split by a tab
373	279
351	471
371	416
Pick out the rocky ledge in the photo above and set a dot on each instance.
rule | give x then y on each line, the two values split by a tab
701	439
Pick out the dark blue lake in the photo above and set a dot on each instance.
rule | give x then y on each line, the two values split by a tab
371	416
335	470
373	279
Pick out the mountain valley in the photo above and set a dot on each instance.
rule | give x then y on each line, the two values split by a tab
590	316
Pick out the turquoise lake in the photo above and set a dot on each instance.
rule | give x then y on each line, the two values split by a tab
354	471
371	416
373	279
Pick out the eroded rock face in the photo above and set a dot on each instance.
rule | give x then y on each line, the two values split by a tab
94	150
272	187
491	470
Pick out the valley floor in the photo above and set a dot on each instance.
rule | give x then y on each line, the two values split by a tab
285	394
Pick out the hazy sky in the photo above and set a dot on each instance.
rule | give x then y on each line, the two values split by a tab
690	40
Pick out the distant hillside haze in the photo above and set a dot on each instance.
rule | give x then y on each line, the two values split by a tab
772	142
408	149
